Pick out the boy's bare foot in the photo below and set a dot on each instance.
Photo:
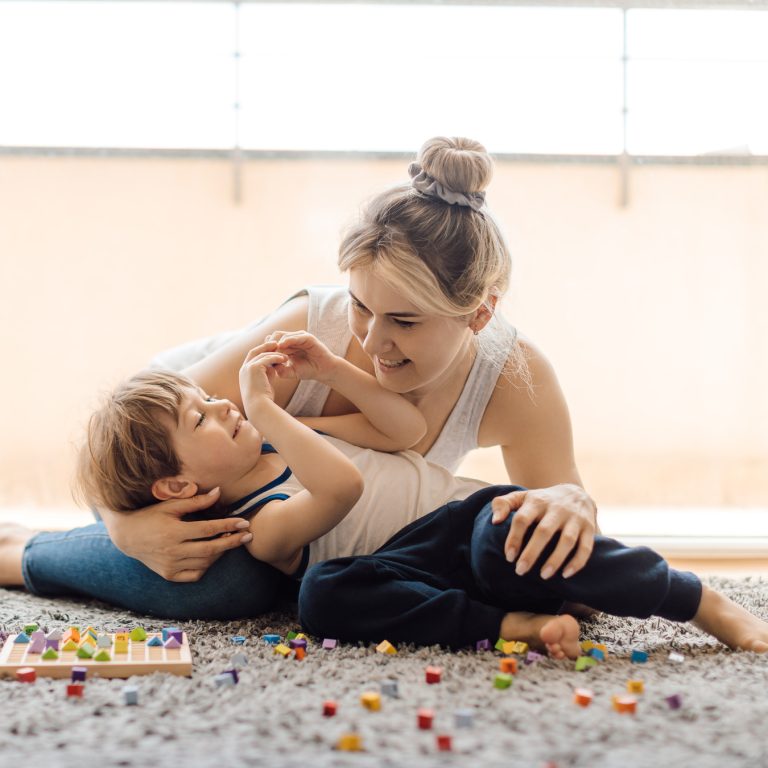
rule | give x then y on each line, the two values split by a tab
13	539
730	623
558	635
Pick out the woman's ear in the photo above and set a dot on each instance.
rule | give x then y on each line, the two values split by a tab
173	488
483	314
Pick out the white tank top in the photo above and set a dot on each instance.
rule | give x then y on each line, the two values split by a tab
327	319
399	488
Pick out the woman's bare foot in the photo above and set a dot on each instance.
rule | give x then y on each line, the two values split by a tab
558	635
730	623
13	539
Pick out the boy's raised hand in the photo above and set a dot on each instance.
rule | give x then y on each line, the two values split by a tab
258	372
307	356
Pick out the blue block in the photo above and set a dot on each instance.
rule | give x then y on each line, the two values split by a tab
131	694
638	657
239	639
596	653
167	631
272	639
22	637
155	641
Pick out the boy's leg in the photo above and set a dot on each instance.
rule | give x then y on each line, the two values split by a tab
85	562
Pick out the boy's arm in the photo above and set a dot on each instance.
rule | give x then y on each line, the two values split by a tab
333	484
386	422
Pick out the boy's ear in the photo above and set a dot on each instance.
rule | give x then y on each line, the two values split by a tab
173	488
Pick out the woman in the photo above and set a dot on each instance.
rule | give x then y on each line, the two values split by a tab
427	264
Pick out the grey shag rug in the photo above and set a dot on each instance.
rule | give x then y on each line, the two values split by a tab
273	717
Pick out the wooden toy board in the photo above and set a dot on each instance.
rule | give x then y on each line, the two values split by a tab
141	659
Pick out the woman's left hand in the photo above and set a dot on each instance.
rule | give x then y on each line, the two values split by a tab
566	509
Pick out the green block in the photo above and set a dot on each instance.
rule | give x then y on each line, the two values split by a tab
500	644
85	652
30	628
290	636
50	655
102	655
138	634
70	645
585	662
502	680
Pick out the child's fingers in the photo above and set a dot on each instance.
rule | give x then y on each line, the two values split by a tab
267	346
267	358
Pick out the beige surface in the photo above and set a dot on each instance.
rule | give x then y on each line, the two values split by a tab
654	316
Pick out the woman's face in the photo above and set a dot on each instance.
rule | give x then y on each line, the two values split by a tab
411	352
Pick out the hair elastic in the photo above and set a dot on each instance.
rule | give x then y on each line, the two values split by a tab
422	182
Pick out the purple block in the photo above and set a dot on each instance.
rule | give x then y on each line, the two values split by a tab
298	644
38	634
51	642
172	642
675	701
178	634
37	645
168	631
483	645
329	643
533	657
79	674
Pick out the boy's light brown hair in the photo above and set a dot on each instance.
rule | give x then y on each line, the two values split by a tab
127	447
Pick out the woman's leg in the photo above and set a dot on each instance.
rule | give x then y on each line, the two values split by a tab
85	562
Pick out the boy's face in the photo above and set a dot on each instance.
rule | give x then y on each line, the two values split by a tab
217	446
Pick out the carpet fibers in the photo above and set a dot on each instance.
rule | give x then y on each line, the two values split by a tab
273	717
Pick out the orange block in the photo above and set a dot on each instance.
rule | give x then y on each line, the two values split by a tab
583	697
635	686
625	704
509	666
300	653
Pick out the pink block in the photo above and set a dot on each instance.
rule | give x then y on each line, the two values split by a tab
172	642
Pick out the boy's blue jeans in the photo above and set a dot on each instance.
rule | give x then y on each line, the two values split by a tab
444	580
84	561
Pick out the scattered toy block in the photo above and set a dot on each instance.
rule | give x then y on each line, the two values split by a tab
87	640
329	708
483	645
389	688
166	631
583	663
30	628
601	647
583	697
596	654
131	695
301	636
638	657
51	654
676	658
154	642
433	674
233	674
508	647
386	647
300	652
103	655
239	660
103	641
22	637
26	675
224	680
172	643
296	643
425	717
444	743
291	635
329	643
350	742
271	639
532	657
675	701
586	645
371	701
37	644
70	645
240	640
520	648
79	674
138	634
635	686
283	650
502	680
75	690
625	704
122	637
464	718
508	665
85	652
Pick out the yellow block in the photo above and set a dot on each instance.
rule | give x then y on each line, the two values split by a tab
302	636
371	700
122	637
635	686
121	646
350	742
508	647
587	646
282	649
521	648
386	647
88	640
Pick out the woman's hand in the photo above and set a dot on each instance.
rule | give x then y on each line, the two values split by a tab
159	537
566	509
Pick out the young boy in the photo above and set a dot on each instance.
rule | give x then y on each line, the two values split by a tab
432	578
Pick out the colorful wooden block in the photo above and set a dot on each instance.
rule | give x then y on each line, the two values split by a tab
350	742
508	665
464	718
520	648
291	635
155	642
103	641
625	704
75	690
54	634
131	695
371	701
224	680
602	647
122	637
87	640
85	652
283	650
596	654
425	718
26	675
444	742
271	639
240	639
583	697
73	633
638	657
483	645
138	634
30	628
103	655
433	674
587	645
52	643
329	643
37	644
297	643
635	686
583	663
79	674
121	646
51	654
502	680
389	688
386	647
508	647
675	701
165	632
300	653
532	657
172	643
329	708
301	636
232	672
70	645
21	638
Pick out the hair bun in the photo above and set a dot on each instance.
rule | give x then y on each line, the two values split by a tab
462	165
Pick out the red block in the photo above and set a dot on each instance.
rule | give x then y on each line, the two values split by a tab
329	708
73	689
26	675
425	716
434	674
444	743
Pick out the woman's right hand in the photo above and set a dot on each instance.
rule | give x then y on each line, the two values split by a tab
159	537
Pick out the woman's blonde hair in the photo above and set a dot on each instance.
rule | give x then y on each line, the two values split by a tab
127	446
447	258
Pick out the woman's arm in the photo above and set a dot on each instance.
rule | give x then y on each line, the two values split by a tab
533	427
